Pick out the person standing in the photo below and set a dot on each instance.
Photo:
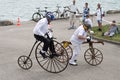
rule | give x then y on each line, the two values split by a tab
78	37
86	11
72	9
100	15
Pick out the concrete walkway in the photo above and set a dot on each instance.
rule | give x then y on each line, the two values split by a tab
16	41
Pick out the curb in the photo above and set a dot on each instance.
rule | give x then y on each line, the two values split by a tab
109	41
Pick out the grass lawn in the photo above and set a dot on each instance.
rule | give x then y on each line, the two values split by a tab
98	34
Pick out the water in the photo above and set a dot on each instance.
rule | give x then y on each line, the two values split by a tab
12	9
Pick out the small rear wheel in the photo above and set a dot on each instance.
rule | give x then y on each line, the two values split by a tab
25	62
93	56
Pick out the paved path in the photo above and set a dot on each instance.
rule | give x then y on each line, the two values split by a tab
16	41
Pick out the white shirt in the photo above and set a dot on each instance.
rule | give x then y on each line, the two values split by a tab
89	21
79	31
41	27
73	8
99	14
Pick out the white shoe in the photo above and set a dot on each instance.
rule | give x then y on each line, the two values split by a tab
73	63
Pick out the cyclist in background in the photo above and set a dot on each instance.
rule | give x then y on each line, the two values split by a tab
40	33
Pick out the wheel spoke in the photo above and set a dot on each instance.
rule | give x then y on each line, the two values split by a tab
54	64
57	65
25	62
58	62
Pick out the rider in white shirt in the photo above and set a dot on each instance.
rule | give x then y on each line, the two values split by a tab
41	27
78	37
40	32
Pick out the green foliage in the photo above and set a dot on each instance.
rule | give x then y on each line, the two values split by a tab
98	34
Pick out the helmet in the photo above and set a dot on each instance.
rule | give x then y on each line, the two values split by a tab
87	25
50	15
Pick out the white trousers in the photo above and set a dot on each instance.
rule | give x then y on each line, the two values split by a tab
76	51
72	19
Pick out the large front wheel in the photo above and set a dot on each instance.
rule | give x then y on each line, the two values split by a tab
93	56
56	64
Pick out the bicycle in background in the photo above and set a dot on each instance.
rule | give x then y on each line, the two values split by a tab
57	12
39	14
65	12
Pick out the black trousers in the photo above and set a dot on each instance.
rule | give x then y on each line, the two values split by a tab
48	43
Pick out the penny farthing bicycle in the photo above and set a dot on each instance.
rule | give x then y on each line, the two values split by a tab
54	64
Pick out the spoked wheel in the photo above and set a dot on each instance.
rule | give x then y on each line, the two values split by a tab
93	56
36	17
56	14
68	49
56	64
25	62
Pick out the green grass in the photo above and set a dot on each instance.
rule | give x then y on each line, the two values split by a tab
98	34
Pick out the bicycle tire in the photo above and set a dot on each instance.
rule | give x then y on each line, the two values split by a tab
24	62
52	65
36	17
93	56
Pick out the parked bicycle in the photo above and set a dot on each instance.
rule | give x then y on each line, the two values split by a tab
39	14
65	12
57	12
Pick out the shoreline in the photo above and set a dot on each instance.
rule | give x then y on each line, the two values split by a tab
109	15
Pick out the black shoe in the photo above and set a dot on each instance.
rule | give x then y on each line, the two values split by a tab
54	55
99	29
69	28
43	55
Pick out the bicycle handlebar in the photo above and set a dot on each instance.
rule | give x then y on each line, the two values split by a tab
95	42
